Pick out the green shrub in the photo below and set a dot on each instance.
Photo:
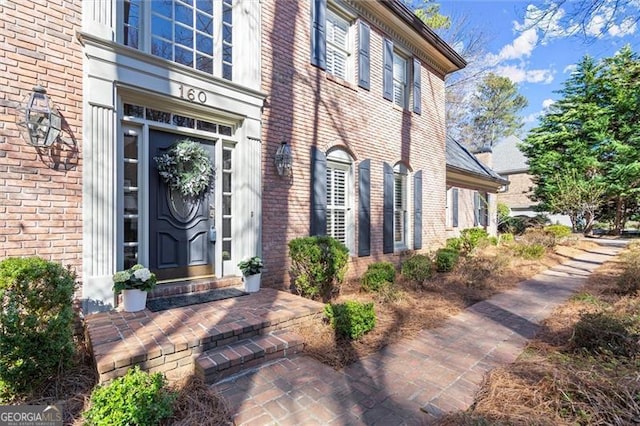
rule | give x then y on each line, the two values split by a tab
558	231
507	237
318	266
529	251
454	243
492	240
539	236
36	322
138	398
417	268
606	333
471	237
351	318
377	275
446	259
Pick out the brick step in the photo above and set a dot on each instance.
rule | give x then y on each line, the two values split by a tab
224	361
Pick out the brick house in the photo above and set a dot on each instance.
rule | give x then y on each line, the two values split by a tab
355	89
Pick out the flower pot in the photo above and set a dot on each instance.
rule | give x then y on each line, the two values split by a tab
134	300
252	283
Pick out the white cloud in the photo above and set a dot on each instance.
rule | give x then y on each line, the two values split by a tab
547	103
569	69
628	26
521	47
539	20
532	118
518	74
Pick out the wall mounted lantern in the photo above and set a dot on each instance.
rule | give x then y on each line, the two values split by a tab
284	159
41	118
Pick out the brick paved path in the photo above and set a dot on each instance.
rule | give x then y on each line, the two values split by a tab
411	382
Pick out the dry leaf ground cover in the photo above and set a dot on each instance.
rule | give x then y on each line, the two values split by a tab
583	368
415	306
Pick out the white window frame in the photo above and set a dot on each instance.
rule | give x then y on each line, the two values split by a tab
401	80
340	160
401	174
334	16
144	36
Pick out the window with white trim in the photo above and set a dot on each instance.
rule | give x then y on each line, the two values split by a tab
400	218
340	221
339	47
182	31
400	80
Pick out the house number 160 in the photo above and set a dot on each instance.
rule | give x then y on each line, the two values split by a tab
192	94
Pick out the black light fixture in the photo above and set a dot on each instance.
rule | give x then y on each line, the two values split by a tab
41	119
284	159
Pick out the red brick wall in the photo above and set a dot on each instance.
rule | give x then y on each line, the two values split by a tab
306	108
40	191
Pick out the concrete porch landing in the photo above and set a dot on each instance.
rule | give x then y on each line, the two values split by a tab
170	341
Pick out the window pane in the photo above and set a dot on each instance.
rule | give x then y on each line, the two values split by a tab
133	111
225	130
182	121
226	182
184	14
184	36
161	27
227	33
226	205
130	256
161	48
204	63
204	44
205	6
131	174
130	146
204	23
226	228
184	56
162	7
226	250
226	159
227	72
207	126
227	12
159	116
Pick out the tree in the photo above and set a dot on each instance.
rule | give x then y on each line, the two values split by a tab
589	18
594	130
494	111
577	196
429	12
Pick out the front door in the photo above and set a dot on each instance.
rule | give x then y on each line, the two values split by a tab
179	239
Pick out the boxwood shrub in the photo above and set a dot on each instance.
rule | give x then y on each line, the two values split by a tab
446	259
36	322
318	266
377	275
417	268
138	398
351	319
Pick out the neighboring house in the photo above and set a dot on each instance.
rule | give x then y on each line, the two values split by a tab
355	88
511	163
471	190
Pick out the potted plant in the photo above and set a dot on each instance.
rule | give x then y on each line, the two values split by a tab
251	271
134	283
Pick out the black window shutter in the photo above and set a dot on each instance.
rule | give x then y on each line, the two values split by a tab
318	192
417	84
476	208
363	55
318	33
387	214
417	210
454	207
387	70
364	208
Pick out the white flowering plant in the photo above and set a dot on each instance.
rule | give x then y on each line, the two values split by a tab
251	266
135	278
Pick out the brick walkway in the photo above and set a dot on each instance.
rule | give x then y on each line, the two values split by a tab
410	382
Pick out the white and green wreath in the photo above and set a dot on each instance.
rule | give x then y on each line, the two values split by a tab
186	168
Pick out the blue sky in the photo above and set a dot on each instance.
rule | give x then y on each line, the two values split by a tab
539	63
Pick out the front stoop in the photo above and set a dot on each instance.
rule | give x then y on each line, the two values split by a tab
171	341
224	361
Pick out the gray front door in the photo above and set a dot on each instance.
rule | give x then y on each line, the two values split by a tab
179	245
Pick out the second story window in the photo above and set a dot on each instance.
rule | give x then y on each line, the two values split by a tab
338	46
182	31
399	80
